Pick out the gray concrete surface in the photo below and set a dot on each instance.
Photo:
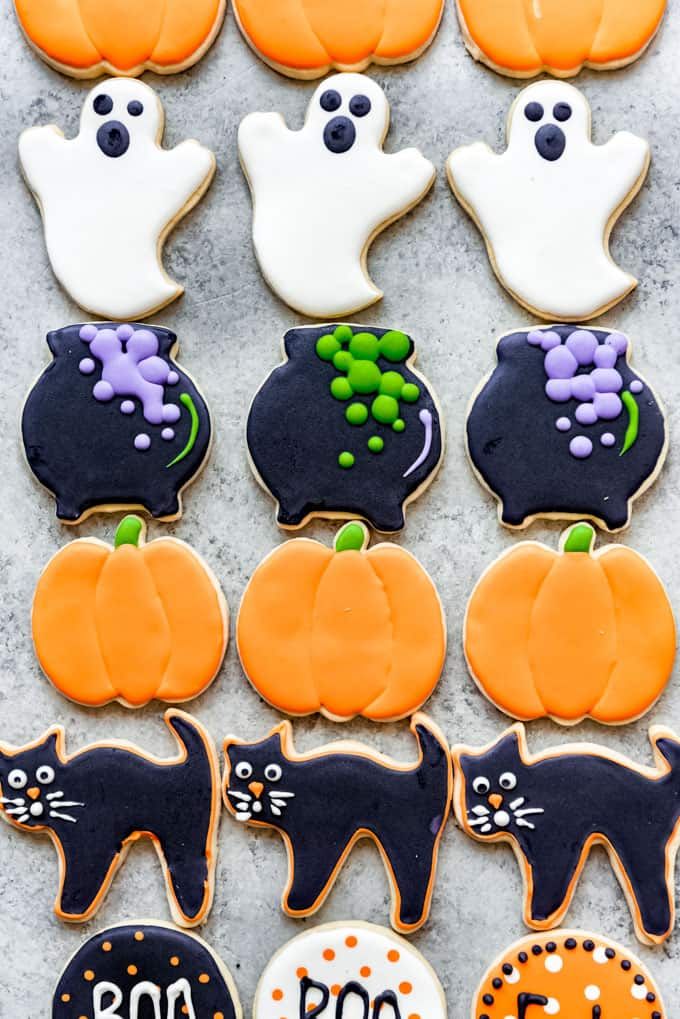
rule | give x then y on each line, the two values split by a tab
440	288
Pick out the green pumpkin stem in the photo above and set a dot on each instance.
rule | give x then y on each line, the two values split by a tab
129	531
580	538
352	537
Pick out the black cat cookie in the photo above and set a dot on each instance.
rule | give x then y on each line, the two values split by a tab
94	804
114	422
564	427
345	427
145	968
340	794
554	806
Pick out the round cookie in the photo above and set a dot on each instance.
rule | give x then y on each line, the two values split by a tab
570	973
307	41
143	966
564	427
86	38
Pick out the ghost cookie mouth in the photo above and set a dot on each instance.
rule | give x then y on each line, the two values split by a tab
339	135
113	139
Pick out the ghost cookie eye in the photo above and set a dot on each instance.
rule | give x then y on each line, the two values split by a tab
102	104
330	101
533	112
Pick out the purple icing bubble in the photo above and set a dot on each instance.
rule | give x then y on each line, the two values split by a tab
582	345
607	380
558	390
586	414
607	406
535	338
618	341
103	391
171	413
88	333
167	434
582	387
606	357
560	363
124	332
127	407
142	441
636	386
86	366
550	340
580	447
563	424
607	439
173	378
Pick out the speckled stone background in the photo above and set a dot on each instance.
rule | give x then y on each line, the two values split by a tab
440	288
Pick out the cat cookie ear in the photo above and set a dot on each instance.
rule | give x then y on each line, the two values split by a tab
52	741
666	746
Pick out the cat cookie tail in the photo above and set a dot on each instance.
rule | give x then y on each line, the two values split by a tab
434	750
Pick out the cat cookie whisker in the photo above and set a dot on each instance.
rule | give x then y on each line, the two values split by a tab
67	803
53	796
15	810
474	821
275	811
20	820
239	796
517	803
279	794
243	816
63	817
529	810
487	827
19	802
480	811
279	803
524	824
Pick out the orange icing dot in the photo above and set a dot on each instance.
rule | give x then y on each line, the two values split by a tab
65	997
185	1009
174	960
311	1006
132	970
106	946
393	955
139	936
335	990
88	974
365	971
218	1015
351	941
414	1015
277	994
301	972
405	987
204	978
328	954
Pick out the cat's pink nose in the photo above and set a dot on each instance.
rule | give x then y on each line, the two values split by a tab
495	800
256	789
33	793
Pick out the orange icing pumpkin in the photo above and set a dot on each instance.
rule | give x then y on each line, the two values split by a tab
526	37
130	623
345	631
86	38
570	634
307	38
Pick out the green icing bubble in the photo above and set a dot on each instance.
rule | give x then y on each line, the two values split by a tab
391	384
399	425
376	444
346	460
410	392
342	360
343	334
341	389
365	347
394	346
363	376
357	414
326	347
385	409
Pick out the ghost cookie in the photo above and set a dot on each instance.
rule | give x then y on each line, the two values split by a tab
125	37
321	194
565	427
349	969
306	40
567	973
110	196
547	205
142	968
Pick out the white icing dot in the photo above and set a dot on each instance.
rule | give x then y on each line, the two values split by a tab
553	963
512	978
501	818
553	1007
639	991
600	955
592	992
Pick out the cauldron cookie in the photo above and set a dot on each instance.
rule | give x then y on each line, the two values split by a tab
563	427
113	422
345	427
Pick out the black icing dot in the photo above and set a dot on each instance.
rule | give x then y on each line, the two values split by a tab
507	968
522	956
638	979
339	135
625	965
610	953
536	950
135	108
656	1015
651	997
331	101
533	112
562	112
570	943
103	105
589	945
483	1016
551	947
550	142
359	106
597	1012
488	999
496	983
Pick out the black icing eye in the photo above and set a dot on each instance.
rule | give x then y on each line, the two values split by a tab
135	108
481	785
331	101
243	770
562	112
273	772
359	106
533	112
103	105
507	780
45	774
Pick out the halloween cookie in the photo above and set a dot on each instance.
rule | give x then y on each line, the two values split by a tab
306	40
553	807
86	38
349	968
321	194
564	427
403	808
132	623
345	427
94	804
115	193
114	422
137	968
546	206
570	634
345	630
521	39
570	973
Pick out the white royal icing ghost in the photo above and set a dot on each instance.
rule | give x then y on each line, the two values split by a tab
547	204
109	196
321	194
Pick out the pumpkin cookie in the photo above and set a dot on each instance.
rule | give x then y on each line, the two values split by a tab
570	634
345	631
132	623
86	38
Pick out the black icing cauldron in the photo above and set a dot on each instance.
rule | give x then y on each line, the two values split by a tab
94	452
310	456
523	455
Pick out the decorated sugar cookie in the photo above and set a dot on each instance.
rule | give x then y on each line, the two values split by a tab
345	631
554	806
114	422
569	973
95	803
343	969
306	40
321	194
114	193
86	38
345	427
572	633
403	808
132	623
547	205
522	39
145	967
565	427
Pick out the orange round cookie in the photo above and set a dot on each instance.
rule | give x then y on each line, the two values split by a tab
308	38
86	38
523	38
569	973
